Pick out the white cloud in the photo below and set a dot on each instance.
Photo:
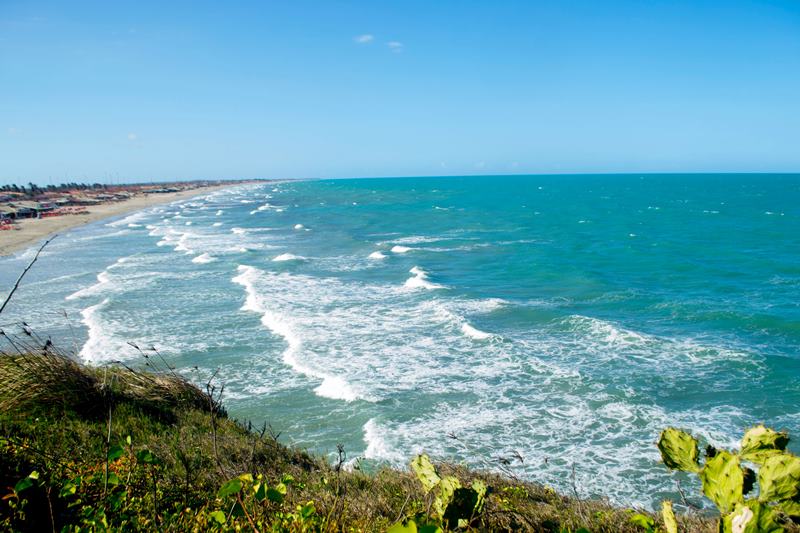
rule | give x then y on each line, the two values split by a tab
395	46
364	39
132	137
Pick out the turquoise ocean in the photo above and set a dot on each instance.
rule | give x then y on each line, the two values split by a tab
545	322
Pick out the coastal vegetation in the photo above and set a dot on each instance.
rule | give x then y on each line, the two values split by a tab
117	448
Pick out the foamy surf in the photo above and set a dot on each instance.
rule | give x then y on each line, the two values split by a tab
333	387
377	255
474	333
204	258
288	257
397	249
419	280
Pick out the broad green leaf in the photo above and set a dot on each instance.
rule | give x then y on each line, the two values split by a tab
779	478
447	487
34	475
217	516
461	507
644	521
723	481
68	489
760	442
480	488
231	487
275	494
146	456
409	526
425	471
751	517
128	440
113	479
115	452
679	450
23	484
670	524
261	491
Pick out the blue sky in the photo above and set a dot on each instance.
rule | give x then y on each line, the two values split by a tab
121	91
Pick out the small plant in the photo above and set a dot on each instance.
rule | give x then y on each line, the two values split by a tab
453	506
726	478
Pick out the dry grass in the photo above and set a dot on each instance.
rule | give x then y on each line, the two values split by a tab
51	379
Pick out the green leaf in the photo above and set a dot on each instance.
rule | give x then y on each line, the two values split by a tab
644	521
34	475
23	484
247	477
115	452
217	516
723	481
231	487
425	471
760	442
461	507
407	526
751	517
447	487
261	491
128	440
779	478
679	450
480	488
670	524
287	479
276	494
113	479
146	456
68	489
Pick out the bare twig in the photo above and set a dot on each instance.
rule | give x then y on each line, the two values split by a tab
19	279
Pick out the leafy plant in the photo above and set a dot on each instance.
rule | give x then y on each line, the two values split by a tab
726	479
453	506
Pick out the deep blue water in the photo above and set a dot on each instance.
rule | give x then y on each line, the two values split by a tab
567	319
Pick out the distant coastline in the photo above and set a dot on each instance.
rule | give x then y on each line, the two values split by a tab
27	232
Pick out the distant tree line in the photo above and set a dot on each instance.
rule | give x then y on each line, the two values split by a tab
34	190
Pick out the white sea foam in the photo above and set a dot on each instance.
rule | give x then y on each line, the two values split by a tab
239	231
332	386
288	257
474	333
95	348
298	226
419	280
219	213
377	255
204	258
216	224
103	281
400	249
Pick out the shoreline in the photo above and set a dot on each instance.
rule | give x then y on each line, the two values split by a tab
35	230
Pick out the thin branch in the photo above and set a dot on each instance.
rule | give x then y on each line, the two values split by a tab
16	285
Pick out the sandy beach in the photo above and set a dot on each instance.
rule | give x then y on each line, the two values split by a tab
31	231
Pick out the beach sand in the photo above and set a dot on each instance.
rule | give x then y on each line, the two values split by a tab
33	230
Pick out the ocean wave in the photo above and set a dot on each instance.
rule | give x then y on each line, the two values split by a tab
419	280
333	387
204	258
400	249
288	257
377	255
